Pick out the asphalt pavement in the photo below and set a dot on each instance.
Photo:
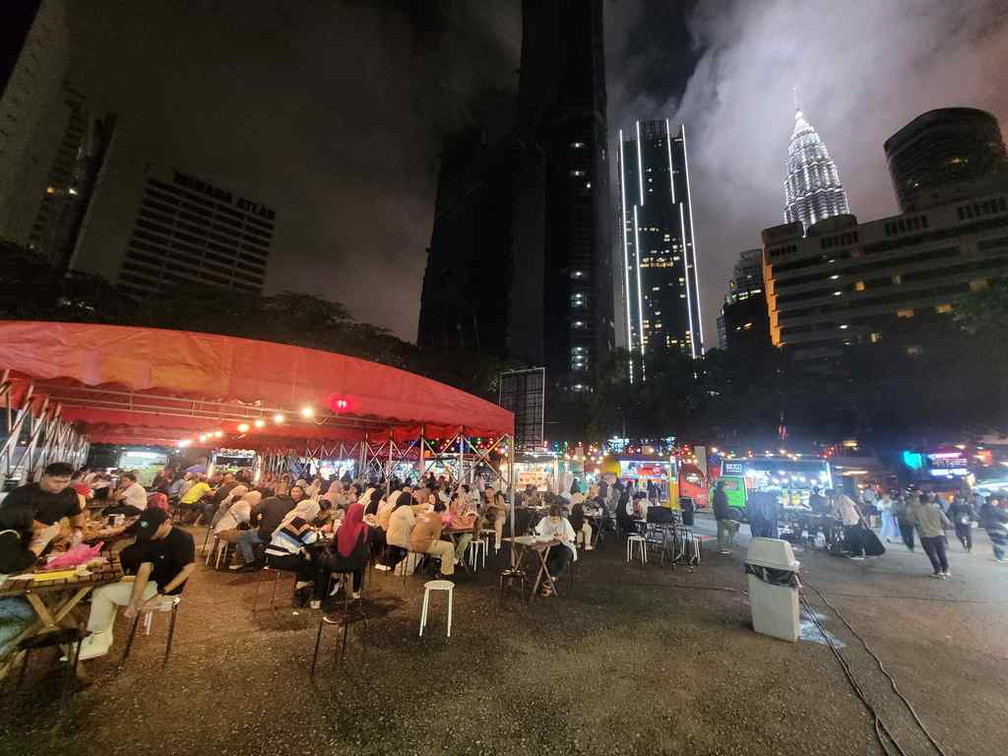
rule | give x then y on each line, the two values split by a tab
630	660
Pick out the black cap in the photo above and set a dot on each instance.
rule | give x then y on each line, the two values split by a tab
149	522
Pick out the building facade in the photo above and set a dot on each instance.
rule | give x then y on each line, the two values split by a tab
661	289
812	189
887	280
188	230
34	39
744	318
520	258
940	155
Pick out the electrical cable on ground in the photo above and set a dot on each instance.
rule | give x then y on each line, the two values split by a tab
880	727
882	669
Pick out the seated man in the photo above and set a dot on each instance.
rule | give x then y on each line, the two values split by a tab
426	539
49	501
130	498
561	555
162	558
190	500
19	549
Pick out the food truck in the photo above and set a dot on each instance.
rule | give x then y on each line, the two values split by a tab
793	479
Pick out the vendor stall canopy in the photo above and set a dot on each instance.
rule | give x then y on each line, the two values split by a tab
127	385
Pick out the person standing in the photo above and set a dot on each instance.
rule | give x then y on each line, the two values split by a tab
845	508
886	505
931	523
722	513
961	513
995	521
901	511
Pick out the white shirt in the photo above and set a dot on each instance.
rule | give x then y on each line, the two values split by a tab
848	512
135	495
237	514
562	531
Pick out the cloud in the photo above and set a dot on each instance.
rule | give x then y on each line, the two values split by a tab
862	68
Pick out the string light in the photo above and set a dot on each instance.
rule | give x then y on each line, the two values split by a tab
307	412
278	418
259	423
243	427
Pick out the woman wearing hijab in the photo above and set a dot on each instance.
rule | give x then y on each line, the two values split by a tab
350	555
235	494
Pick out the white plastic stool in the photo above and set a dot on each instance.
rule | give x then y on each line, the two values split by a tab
641	548
436	585
477	545
165	606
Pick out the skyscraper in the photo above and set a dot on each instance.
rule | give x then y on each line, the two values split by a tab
34	39
520	256
661	290
744	317
187	231
941	155
562	206
812	190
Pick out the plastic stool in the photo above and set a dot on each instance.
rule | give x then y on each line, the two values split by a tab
436	585
170	604
475	547
641	543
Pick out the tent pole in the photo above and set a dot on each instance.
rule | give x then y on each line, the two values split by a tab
421	459
461	455
388	470
511	498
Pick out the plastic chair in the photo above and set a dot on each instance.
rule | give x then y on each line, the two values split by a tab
638	541
263	575
170	604
437	585
511	576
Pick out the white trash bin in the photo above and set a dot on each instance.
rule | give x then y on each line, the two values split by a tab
773	588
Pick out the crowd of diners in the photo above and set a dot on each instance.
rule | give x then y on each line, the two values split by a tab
320	530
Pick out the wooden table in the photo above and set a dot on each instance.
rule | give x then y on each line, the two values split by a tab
541	549
53	600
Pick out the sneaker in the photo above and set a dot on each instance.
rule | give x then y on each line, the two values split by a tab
946	574
92	650
857	558
315	604
936	575
382	568
589	548
724	552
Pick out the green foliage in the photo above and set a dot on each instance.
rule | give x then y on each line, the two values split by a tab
30	289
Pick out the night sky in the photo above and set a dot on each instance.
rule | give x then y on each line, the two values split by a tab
334	111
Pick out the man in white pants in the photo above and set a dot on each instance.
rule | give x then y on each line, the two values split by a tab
163	557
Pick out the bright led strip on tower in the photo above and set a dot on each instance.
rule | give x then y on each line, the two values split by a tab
671	180
689	198
640	302
640	169
685	263
626	254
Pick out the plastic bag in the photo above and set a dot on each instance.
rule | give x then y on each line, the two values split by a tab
75	556
773	576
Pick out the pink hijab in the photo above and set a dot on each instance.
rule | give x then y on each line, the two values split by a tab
351	531
157	501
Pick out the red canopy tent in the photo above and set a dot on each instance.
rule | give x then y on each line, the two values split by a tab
119	384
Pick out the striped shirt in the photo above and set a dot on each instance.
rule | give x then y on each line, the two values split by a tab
291	537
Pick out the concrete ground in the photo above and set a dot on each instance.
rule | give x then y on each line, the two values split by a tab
634	660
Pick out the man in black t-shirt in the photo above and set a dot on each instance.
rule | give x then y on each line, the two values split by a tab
162	558
49	500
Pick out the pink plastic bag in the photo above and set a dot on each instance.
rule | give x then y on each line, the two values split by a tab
75	556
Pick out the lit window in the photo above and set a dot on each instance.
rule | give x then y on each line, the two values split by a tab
50	190
859	286
979	284
897	279
875	337
748	326
943	308
905	314
913	350
577	173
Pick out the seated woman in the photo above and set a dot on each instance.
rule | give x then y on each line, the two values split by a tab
349	555
625	514
288	548
235	494
561	555
462	515
494	513
230	525
401	523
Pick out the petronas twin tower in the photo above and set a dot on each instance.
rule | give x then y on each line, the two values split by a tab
812	190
